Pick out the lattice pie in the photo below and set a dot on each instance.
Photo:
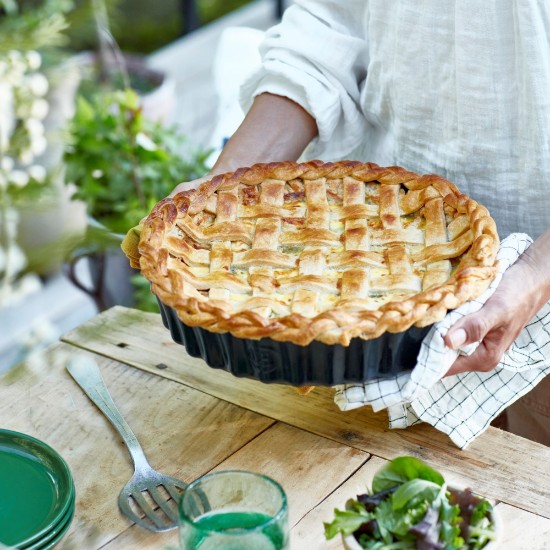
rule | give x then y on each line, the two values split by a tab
318	251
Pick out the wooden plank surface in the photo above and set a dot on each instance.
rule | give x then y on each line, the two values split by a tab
498	464
184	432
522	530
308	467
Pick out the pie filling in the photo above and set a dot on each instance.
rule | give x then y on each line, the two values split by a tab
306	247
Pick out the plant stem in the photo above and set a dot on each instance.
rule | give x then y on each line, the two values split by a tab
108	47
135	177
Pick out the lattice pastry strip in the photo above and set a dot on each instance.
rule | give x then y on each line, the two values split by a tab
325	251
436	272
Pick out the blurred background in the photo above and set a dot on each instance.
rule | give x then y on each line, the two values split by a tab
105	105
144	26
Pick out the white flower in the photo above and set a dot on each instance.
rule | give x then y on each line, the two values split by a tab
39	108
23	109
34	127
11	222
19	178
6	163
25	156
14	57
96	174
38	84
145	142
38	145
34	60
12	260
37	172
7	117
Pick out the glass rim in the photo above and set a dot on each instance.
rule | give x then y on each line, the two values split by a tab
235	532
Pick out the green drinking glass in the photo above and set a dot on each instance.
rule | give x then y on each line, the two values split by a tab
233	510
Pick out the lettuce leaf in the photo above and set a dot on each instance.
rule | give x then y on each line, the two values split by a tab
403	469
347	521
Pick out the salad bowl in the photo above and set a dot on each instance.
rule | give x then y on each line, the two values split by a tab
410	506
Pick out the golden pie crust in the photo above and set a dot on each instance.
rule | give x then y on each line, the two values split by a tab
318	251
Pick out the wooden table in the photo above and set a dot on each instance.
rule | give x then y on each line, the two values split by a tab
191	419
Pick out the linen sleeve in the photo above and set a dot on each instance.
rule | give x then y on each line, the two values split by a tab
317	57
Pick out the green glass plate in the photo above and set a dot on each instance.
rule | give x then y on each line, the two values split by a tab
36	489
52	537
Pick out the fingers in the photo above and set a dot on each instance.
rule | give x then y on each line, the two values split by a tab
481	361
188	185
468	330
474	327
489	327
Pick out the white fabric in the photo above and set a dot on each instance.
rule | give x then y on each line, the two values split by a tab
460	89
463	405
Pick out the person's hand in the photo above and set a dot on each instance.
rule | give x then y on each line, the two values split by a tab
190	185
499	322
274	129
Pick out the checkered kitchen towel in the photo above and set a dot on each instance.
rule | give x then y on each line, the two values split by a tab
461	406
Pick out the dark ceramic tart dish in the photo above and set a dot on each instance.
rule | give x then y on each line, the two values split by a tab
315	273
317	364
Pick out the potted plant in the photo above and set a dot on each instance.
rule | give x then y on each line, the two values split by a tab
122	163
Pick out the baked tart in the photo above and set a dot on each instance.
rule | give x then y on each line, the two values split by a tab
317	253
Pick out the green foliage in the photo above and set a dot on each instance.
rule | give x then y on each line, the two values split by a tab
402	469
413	509
138	30
142	26
209	10
33	25
349	520
144	298
122	163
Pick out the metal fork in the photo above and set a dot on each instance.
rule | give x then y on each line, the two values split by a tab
141	499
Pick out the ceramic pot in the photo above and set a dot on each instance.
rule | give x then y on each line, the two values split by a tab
49	228
109	278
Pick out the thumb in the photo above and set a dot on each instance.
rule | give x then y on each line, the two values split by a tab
469	329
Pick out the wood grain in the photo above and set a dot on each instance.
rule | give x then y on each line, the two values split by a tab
307	466
497	464
522	530
310	528
184	432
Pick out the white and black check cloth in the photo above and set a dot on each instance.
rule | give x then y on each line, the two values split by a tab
463	405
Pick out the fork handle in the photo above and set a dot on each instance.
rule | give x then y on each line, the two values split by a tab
88	376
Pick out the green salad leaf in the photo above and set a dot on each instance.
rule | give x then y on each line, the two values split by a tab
402	469
410	506
349	520
413	491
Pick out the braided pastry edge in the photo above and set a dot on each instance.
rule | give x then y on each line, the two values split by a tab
338	325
